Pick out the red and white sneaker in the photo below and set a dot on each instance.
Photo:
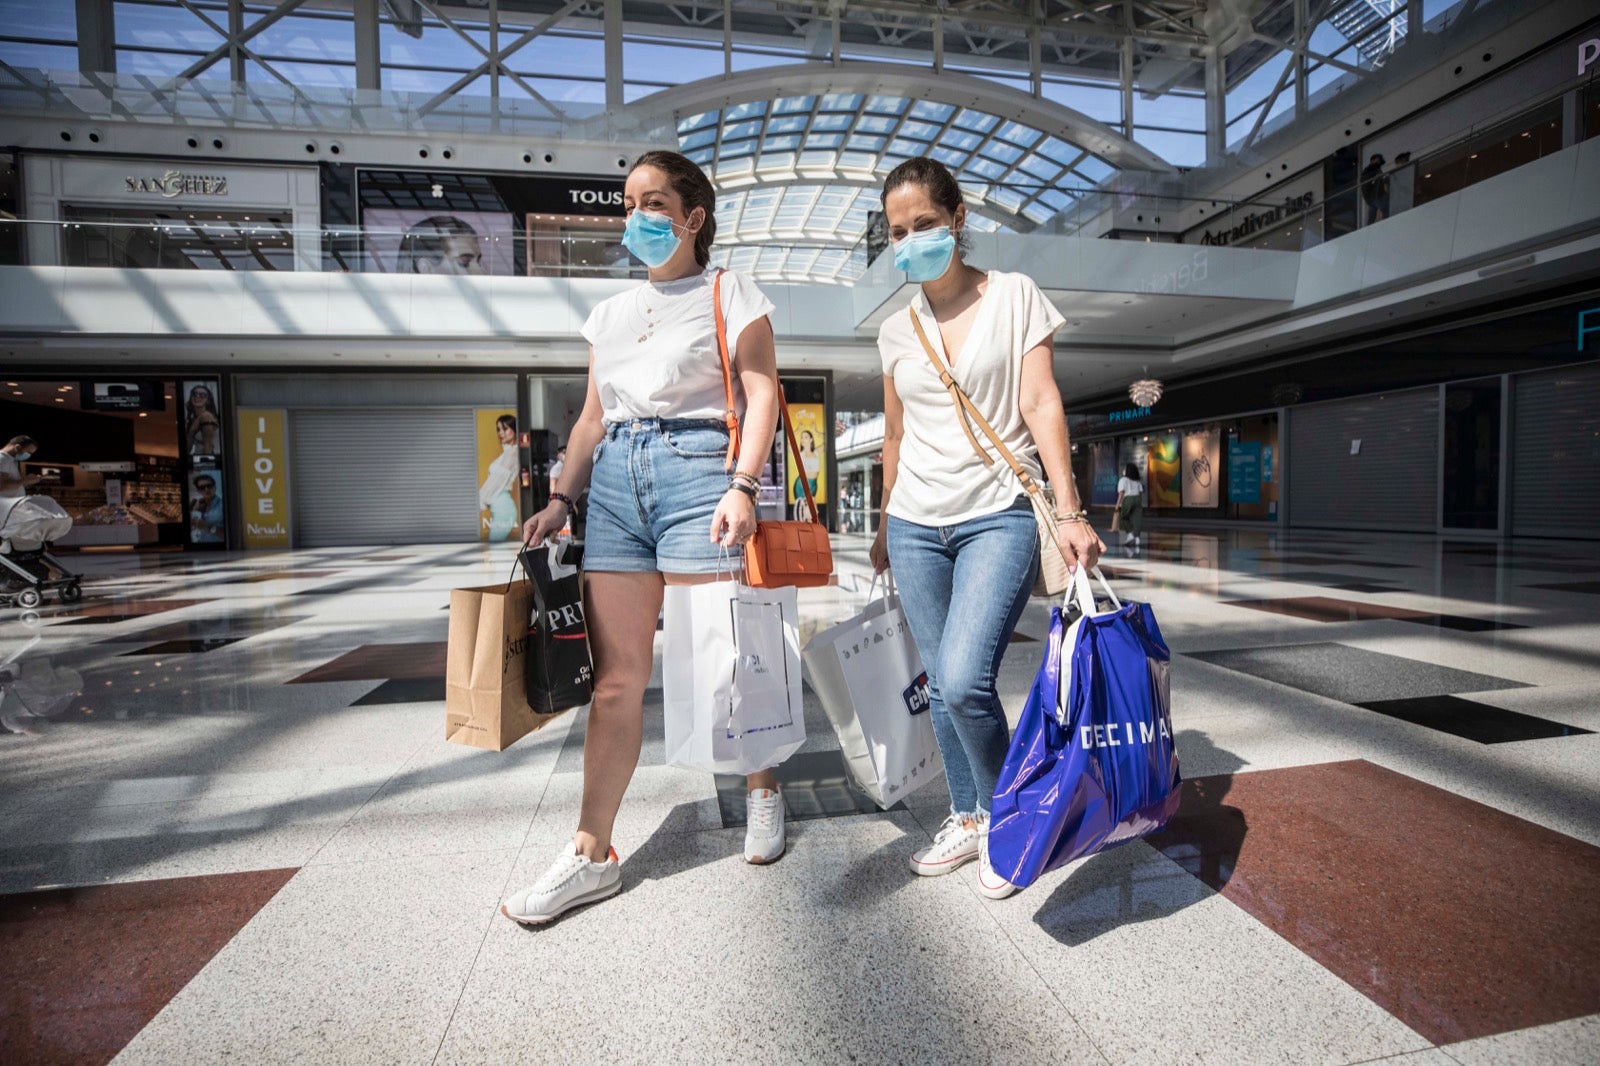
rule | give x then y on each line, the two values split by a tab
955	844
990	883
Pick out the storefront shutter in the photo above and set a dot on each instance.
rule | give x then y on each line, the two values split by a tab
403	475
1556	449
1393	483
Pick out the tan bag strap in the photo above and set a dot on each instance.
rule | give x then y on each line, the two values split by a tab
732	417
966	409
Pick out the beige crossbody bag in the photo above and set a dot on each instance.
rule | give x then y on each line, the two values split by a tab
1054	577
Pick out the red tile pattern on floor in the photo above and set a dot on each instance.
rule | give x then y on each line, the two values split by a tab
1460	920
1329	609
84	969
378	662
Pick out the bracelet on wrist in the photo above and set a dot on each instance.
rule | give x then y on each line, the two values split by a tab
739	486
749	479
1073	516
564	499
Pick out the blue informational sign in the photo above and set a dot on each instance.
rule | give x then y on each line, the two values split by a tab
1244	472
1266	463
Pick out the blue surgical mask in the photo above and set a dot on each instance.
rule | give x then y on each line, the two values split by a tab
23	457
925	255
650	237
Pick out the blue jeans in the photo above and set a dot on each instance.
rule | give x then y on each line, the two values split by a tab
963	588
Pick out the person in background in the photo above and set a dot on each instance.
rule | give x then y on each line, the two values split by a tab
962	535
497	494
1375	190
1403	184
206	520
559	465
13	482
1130	505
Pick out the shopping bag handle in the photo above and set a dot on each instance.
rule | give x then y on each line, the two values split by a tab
1081	592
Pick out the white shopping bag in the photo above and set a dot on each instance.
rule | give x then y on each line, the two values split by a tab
731	677
870	680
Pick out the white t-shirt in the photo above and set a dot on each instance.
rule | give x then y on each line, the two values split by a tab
941	481
10	468
655	346
1129	487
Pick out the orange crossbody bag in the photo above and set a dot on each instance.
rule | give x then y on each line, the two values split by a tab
780	553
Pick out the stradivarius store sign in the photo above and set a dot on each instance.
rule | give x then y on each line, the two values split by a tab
175	183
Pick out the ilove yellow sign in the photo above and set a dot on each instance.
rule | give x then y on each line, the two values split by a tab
264	477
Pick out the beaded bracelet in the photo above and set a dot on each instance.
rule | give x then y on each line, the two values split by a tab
564	499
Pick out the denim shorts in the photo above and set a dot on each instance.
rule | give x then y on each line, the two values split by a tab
655	486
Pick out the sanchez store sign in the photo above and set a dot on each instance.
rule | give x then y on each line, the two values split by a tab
175	183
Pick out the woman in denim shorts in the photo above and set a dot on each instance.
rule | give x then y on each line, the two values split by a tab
666	506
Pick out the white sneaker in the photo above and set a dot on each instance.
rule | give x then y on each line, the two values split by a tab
954	844
763	830
990	883
571	881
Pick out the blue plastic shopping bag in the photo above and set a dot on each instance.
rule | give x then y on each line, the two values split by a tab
1092	763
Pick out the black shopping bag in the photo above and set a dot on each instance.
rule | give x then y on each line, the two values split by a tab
558	670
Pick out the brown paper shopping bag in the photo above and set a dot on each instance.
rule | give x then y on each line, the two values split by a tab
486	705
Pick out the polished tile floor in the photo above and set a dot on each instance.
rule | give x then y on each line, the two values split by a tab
234	831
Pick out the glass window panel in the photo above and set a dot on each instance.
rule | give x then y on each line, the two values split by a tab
783	142
51	21
770	160
960	140
950	157
1094	169
789	105
986	168
977	121
734	130
166	26
670	63
859	143
1100	104
319	75
1018	134
1001	151
1180	149
840	102
401	80
697	139
748	60
857	160
1022	85
1038	212
832	122
701	156
1252	90
306	38
1009	199
921	131
694	122
929	111
819	141
1058	150
1042	169
561	54
750	109
1057	199
876	124
786	124
438	47
737	149
159	65
1171	110
47	56
902	146
886	105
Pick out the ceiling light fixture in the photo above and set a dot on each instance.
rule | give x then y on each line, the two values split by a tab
1145	392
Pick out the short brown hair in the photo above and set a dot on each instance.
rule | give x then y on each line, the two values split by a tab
693	188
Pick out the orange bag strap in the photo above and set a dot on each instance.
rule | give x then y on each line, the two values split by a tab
794	450
730	416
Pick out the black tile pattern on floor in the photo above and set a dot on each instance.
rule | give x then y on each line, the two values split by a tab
185	647
1362	586
1327	578
815	784
1351	675
1464	624
405	690
1590	587
1472	720
237	627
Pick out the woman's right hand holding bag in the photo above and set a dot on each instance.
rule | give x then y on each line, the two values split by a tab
546	524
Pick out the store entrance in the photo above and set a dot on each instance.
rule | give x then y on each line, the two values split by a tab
116	456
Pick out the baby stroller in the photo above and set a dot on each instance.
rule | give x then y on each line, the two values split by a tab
27	526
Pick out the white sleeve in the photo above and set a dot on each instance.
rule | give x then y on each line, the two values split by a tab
594	325
1038	315
742	303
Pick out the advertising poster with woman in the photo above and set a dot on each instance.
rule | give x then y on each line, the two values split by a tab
1166	478
202	425
200	451
499	466
809	420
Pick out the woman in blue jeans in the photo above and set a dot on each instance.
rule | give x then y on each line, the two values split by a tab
960	533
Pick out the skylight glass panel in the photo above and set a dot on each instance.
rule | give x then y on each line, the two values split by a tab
859	143
1058	150
1019	135
751	109
771	259
740	129
698	139
832	122
738	149
770	162
1037	212
816	141
1009	199
789	105
786	123
1056	199
929	111
1041	168
840	102
1094	169
922	131
816	159
701	156
951	158
960	140
986	168
694	122
977	121
885	105
858	160
876	124
1001	151
910	149
787	142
